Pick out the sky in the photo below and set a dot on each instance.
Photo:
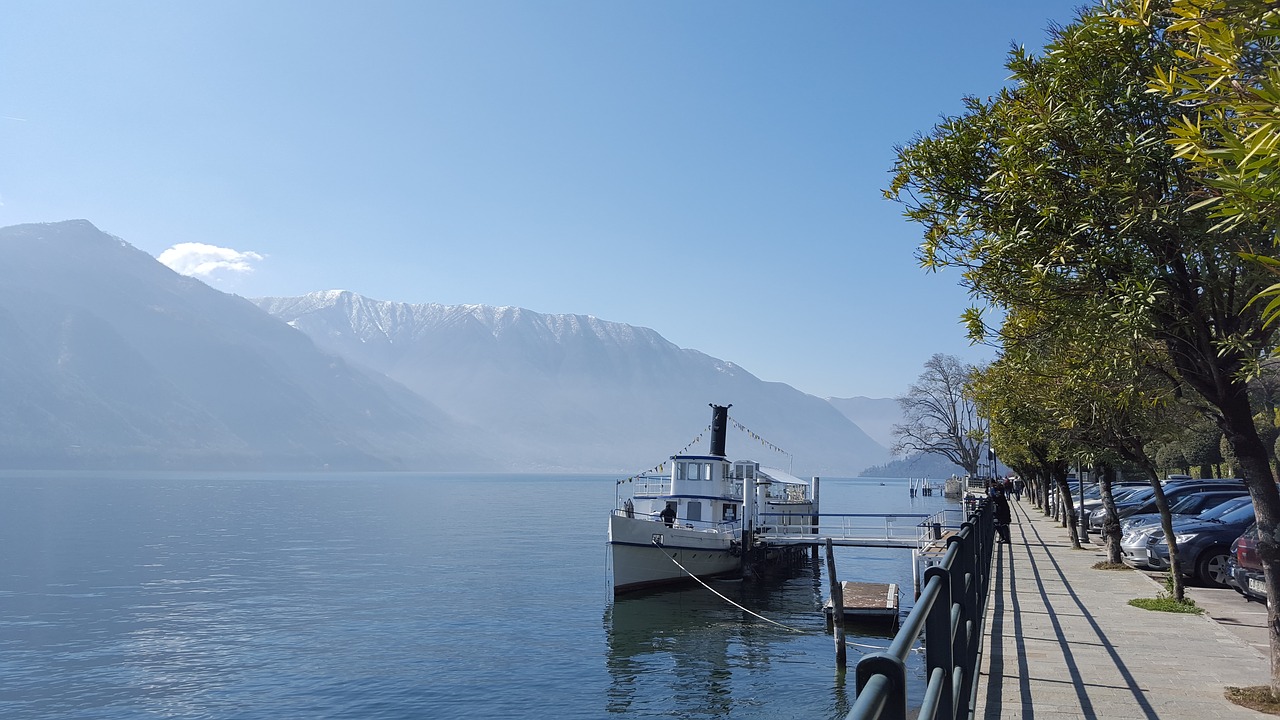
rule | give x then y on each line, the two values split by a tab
711	170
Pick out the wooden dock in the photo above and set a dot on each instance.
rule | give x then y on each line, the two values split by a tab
867	601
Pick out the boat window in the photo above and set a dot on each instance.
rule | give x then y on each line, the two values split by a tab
693	511
707	472
730	512
695	471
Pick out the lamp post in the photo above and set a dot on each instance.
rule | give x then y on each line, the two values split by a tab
1084	524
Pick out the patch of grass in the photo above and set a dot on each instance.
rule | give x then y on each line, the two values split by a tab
1104	565
1258	697
1166	603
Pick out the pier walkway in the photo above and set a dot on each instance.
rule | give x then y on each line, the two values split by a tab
1063	642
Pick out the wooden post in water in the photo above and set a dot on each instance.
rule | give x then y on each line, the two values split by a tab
915	572
837	608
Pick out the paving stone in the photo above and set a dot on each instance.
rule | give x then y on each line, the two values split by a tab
1063	642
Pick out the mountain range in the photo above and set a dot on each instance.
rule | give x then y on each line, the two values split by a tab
112	360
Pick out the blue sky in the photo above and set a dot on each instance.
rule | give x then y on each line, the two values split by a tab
711	170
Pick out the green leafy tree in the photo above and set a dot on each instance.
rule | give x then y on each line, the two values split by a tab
1064	186
1226	78
1171	455
1201	443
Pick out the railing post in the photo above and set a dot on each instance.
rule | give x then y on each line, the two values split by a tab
893	670
837	608
939	636
963	582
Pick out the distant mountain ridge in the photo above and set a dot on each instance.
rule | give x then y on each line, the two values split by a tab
573	388
111	360
876	416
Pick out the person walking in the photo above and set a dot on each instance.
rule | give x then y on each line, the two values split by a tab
1003	515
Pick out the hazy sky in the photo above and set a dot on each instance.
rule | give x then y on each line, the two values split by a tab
711	170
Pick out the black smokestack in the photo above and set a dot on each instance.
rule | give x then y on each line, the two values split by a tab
719	427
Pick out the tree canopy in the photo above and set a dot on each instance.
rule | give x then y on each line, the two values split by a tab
938	416
1072	210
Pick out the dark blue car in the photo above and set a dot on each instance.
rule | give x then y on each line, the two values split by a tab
1204	545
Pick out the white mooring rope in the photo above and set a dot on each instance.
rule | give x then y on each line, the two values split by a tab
745	610
722	597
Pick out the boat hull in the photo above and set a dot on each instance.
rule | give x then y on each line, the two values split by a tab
645	554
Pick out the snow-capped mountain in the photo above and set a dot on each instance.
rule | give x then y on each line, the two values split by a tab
111	360
575	391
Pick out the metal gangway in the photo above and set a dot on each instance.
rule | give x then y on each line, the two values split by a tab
911	531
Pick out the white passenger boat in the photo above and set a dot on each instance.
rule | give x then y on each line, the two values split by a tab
696	519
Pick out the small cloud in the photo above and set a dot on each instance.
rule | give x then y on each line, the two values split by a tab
203	260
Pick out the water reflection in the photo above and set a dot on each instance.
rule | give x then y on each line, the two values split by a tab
665	647
689	653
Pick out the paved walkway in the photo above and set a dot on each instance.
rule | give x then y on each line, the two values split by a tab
1063	642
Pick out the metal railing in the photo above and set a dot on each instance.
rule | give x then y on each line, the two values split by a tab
950	612
862	525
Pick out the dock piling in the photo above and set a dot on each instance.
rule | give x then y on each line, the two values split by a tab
837	601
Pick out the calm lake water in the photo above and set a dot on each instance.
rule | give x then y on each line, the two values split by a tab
391	596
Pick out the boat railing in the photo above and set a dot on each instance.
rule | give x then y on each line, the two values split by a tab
724	526
650	489
658	488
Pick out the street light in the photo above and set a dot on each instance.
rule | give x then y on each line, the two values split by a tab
1084	525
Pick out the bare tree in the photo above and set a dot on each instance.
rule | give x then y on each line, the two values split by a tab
939	417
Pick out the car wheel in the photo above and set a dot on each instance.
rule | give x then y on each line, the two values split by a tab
1211	568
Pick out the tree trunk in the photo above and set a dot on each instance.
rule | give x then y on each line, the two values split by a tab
1110	526
1166	524
1065	504
1254	464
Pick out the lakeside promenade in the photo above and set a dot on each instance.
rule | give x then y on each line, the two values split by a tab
1063	642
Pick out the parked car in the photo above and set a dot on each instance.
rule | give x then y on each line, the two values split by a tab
1207	504
1245	566
1138	528
1145	501
1204	545
1093	496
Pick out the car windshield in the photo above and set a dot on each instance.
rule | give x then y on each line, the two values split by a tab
1139	495
1121	493
1239	515
1185	505
1223	508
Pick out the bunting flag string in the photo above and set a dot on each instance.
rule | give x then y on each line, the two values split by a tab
756	437
661	467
